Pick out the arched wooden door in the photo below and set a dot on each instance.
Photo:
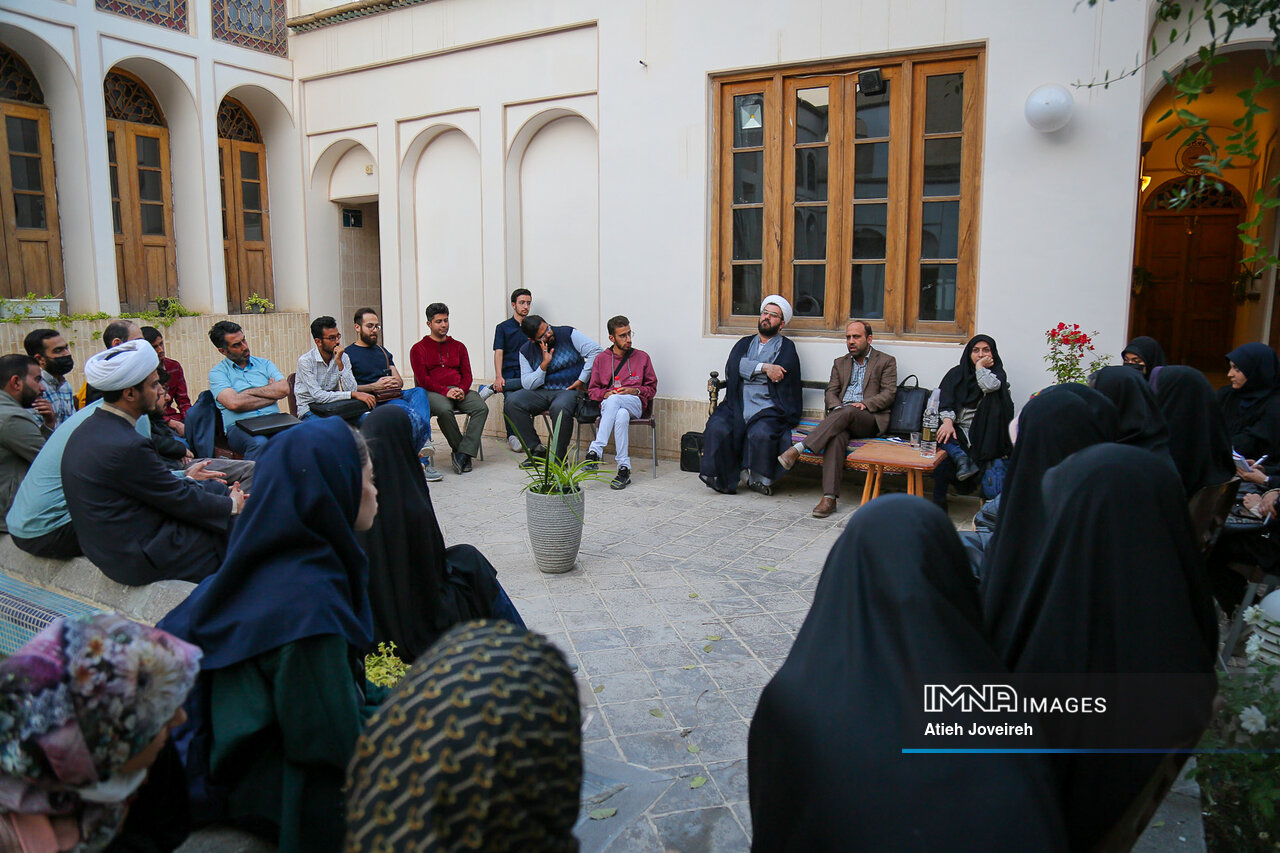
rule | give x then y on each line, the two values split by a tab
141	193
30	243
246	220
1190	257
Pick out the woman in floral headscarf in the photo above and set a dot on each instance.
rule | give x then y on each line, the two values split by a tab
85	708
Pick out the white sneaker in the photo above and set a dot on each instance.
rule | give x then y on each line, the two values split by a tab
514	441
485	392
427	450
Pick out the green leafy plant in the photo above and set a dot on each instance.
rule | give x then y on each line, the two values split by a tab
1239	770
168	311
20	309
258	304
548	475
383	667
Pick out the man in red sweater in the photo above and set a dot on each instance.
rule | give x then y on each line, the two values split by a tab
442	368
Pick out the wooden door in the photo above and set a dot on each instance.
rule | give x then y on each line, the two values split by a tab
30	242
246	225
142	213
1191	258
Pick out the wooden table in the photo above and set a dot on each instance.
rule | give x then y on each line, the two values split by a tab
880	457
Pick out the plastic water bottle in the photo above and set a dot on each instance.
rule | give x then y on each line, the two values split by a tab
929	434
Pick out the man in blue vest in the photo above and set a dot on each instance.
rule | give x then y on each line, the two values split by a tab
555	365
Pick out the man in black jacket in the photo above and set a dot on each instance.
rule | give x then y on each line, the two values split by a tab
135	519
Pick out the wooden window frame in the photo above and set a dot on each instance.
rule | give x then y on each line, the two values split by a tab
139	295
907	75
236	248
19	261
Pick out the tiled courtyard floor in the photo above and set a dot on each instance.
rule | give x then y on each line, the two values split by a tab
683	604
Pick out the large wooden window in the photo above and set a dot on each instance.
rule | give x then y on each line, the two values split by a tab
854	197
30	244
141	193
246	221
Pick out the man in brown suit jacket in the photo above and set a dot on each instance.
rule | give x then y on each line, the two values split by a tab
854	409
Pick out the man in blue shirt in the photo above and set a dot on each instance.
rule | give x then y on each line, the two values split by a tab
244	387
507	341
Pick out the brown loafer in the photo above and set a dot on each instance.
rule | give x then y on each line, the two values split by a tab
789	457
825	507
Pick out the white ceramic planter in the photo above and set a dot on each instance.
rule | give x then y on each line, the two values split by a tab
555	529
34	308
1269	631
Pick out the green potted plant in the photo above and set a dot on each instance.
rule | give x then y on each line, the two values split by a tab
555	504
30	307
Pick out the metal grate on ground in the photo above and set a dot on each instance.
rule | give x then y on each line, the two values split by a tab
25	610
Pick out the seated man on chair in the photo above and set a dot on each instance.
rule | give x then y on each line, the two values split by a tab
442	367
324	385
623	382
244	387
761	406
859	399
555	364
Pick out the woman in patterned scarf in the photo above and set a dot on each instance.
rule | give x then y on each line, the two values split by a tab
85	708
478	748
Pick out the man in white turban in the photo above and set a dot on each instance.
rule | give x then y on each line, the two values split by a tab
753	424
135	520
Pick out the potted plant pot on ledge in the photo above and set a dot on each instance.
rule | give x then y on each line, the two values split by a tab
555	506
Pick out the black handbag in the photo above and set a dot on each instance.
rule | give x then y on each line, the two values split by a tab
908	407
349	410
588	409
691	452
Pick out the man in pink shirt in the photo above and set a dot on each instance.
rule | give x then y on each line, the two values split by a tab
442	368
623	382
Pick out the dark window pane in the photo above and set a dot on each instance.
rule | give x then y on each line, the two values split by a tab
116	223
868	292
940	231
811	233
26	173
224	224
148	151
748	177
115	183
810	289
943	103
938	292
249	165
746	289
29	210
23	133
111	148
813	108
748	233
872	117
149	185
251	194
869	227
153	219
942	167
871	170
748	121
811	174
253	226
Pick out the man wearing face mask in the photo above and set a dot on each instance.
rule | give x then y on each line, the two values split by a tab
51	352
21	435
752	427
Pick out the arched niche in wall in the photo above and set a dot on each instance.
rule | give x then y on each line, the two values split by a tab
30	239
138	159
447	237
246	211
559	228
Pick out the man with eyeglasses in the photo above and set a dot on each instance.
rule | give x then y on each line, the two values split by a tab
376	373
325	385
752	425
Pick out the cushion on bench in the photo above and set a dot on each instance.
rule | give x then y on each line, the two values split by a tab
806	426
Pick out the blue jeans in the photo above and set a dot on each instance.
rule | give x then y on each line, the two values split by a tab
248	446
415	403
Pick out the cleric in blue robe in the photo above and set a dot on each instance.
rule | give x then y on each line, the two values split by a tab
753	425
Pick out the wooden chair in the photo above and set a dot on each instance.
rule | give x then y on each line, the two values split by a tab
651	422
293	400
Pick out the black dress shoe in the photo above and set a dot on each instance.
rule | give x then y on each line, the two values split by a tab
459	462
762	488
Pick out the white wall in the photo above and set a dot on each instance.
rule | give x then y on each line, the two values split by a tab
559	224
1057	210
446	194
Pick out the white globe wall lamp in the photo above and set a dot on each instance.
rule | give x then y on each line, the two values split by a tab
1049	107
